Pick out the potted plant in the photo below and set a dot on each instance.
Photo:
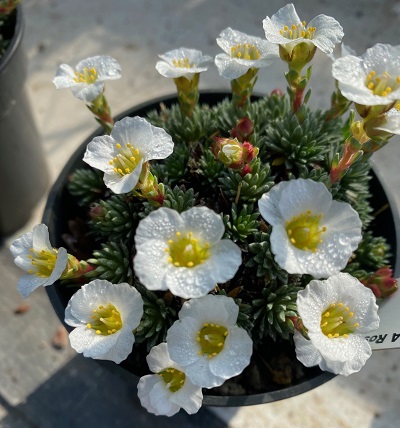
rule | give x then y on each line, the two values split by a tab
223	245
20	142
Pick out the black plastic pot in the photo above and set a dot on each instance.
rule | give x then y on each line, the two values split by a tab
60	208
23	170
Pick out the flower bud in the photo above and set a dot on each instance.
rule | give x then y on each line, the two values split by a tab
381	282
243	129
278	92
232	153
97	212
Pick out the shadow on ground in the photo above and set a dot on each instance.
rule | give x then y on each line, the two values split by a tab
83	394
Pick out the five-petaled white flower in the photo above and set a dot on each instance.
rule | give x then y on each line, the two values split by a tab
169	390
121	155
311	233
183	62
104	316
241	53
285	28
207	343
87	79
371	79
184	253
336	313
35	255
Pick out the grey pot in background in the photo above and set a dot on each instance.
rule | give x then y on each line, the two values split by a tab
23	169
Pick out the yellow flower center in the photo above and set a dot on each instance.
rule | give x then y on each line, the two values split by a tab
87	76
173	378
383	84
43	262
126	160
304	231
337	321
211	339
297	31
182	63
186	250
106	320
245	51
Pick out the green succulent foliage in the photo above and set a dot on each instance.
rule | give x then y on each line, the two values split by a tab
261	113
118	218
373	252
271	310
240	225
225	116
112	263
353	188
263	261
157	318
183	129
300	142
268	109
179	199
176	165
210	169
86	185
251	187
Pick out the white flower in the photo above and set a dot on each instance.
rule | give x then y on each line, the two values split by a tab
184	253
87	79
206	341
104	316
35	255
285	28
121	155
373	78
336	313
241	53
169	390
311	233
183	62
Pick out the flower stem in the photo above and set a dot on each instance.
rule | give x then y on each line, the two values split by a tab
188	93
242	89
102	112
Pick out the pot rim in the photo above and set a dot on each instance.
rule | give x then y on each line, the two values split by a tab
208	400
16	39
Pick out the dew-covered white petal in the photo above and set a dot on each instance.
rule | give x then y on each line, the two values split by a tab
121	155
286	28
183	62
311	233
207	343
34	254
104	316
371	79
242	52
184	252
336	313
87	79
169	389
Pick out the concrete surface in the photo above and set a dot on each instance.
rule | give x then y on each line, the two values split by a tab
41	386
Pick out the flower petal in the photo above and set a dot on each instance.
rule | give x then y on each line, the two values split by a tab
235	356
221	311
160	400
